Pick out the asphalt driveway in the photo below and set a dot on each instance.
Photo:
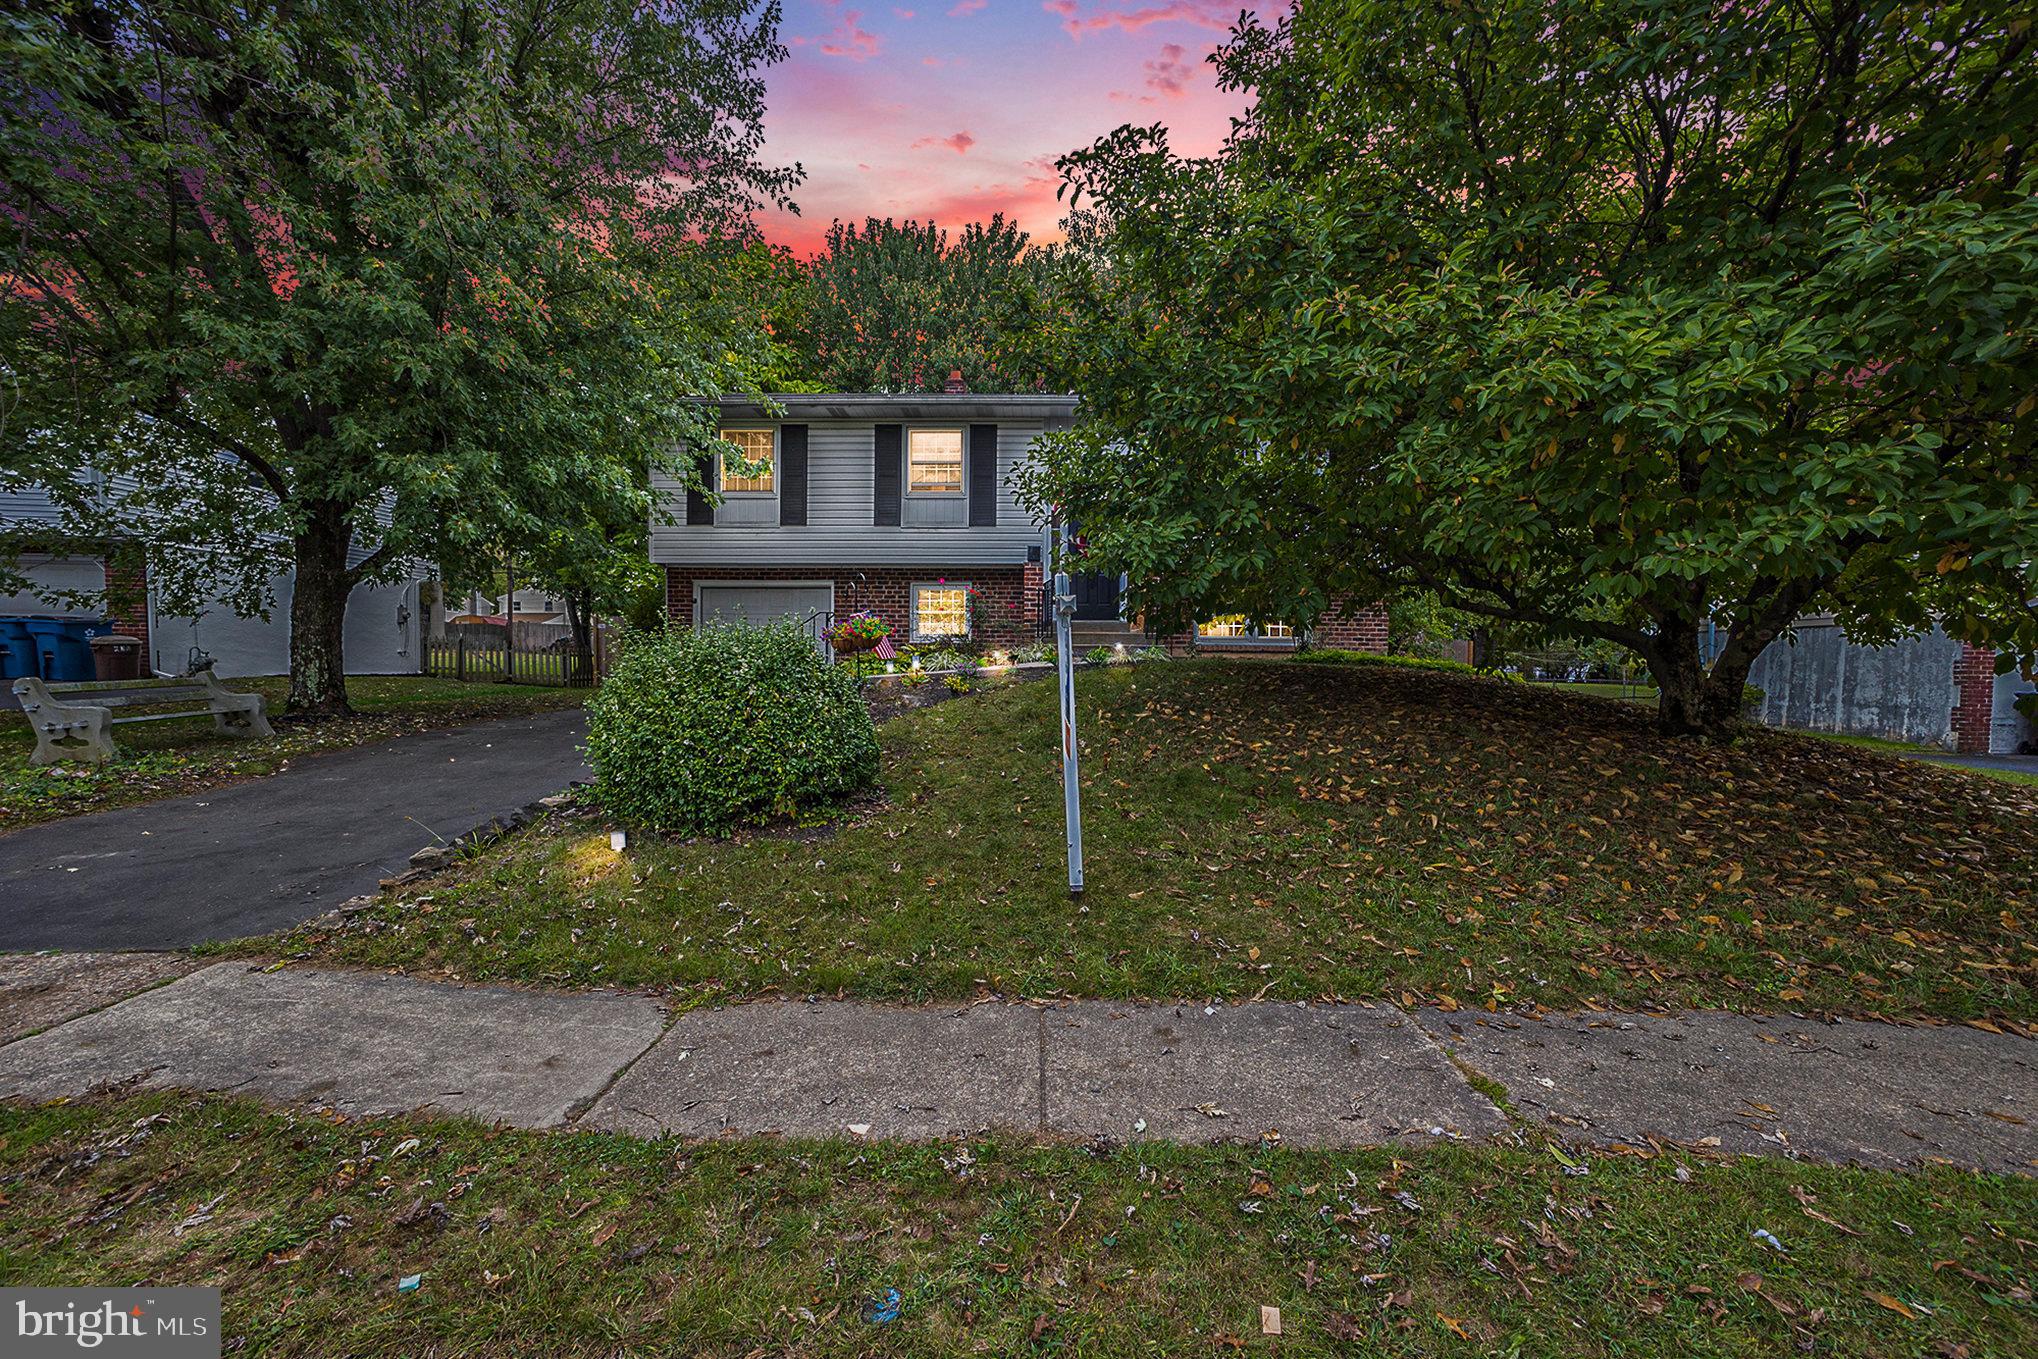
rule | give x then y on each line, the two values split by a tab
275	851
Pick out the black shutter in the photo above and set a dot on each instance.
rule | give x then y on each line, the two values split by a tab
698	508
792	474
982	476
887	475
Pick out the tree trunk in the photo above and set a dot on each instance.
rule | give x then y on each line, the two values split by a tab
318	616
1694	701
580	618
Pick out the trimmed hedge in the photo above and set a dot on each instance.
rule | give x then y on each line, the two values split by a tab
1333	656
699	732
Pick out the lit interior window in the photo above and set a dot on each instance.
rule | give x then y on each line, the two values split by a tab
941	611
934	461
1239	625
753	475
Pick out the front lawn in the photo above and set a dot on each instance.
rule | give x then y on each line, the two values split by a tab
1294	831
170	759
572	1244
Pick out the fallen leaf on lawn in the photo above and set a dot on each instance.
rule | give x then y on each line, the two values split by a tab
1455	1326
602	1234
1885	1300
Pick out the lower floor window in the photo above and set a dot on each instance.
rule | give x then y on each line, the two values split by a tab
940	610
1239	625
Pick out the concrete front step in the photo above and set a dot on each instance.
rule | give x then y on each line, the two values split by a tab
1106	634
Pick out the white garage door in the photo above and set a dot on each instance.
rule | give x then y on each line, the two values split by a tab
82	577
807	604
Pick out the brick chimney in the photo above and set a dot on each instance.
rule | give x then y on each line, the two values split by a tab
955	386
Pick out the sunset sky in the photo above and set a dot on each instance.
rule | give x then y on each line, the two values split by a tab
957	109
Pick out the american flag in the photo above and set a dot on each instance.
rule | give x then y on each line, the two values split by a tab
883	650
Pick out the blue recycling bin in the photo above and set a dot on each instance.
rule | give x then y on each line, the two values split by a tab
17	651
63	647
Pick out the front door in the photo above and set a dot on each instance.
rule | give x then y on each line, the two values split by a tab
1096	595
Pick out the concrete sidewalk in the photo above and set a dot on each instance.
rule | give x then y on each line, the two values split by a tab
1316	1075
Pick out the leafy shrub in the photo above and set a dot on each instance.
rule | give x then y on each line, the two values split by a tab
1333	656
1033	651
943	657
1100	655
957	684
698	732
1752	698
1151	653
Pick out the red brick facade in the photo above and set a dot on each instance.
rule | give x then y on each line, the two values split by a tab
1011	594
127	595
1349	627
1974	675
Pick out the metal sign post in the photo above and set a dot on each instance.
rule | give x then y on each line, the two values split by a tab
1065	670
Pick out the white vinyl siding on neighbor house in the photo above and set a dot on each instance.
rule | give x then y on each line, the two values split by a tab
840	475
26	504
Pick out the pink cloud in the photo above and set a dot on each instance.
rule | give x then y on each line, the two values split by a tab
1169	74
960	143
963	7
1213	14
901	13
851	39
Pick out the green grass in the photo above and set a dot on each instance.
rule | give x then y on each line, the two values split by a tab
1291	832
572	1244
1644	694
169	759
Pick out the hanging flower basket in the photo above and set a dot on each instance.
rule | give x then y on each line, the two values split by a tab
858	632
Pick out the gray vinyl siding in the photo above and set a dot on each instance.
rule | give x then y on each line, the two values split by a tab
25	505
31	504
838	530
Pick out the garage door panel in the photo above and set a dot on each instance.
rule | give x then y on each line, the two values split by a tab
760	604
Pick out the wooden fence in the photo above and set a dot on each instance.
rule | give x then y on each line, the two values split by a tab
495	663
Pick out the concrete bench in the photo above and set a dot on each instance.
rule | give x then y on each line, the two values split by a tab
76	721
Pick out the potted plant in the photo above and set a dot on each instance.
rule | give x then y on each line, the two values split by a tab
858	632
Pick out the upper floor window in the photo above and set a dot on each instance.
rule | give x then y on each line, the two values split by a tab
751	473
934	461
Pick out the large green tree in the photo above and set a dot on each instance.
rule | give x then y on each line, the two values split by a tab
396	268
1606	317
897	307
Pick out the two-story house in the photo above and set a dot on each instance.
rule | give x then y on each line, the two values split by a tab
899	504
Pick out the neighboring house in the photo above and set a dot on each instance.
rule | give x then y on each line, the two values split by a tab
533	606
1929	690
109	577
899	505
